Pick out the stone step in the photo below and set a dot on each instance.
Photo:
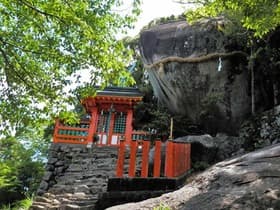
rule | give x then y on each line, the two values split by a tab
109	199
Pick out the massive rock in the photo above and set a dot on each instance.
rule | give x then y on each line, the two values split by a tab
208	150
198	72
250	181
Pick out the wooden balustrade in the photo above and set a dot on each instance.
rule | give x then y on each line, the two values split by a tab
73	134
176	161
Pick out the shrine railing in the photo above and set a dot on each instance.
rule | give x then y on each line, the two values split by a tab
78	134
74	134
170	159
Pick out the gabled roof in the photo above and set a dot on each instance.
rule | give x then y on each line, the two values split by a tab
120	96
120	91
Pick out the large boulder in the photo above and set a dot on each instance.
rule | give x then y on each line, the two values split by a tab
198	72
208	149
250	181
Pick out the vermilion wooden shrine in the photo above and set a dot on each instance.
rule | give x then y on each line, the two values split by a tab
109	123
110	119
112	114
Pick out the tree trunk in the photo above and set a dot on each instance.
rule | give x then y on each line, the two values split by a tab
251	69
252	90
275	93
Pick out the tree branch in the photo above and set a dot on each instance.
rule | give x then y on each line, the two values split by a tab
29	5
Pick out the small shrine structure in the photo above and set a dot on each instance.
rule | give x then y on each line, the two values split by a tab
109	123
109	119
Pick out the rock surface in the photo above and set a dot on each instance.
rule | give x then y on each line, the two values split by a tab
211	87
209	149
262	130
250	181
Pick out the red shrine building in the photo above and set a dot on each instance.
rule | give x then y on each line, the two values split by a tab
109	123
110	119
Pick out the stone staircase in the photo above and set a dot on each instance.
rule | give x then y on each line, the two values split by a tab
77	177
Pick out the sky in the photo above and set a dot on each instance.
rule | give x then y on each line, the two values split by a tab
152	9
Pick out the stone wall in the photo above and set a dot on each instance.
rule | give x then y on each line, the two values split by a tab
74	176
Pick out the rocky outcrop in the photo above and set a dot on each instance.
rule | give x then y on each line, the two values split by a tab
207	149
250	181
196	71
75	176
262	130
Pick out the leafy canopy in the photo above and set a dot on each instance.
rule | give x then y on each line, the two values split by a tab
260	16
43	43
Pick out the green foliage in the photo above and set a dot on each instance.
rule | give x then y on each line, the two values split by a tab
258	16
24	204
43	43
164	20
21	166
162	207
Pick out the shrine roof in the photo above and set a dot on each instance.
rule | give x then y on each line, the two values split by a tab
120	91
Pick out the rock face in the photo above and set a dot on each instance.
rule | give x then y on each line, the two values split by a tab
262	130
208	150
196	72
250	181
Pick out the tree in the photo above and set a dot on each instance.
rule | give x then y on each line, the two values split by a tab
21	169
256	18
43	43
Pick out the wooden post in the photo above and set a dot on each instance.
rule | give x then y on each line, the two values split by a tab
176	159
132	161
189	156
145	159
128	127
157	158
92	126
121	156
171	128
169	159
56	128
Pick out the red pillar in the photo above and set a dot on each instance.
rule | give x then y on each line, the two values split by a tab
169	168
145	159
157	158
121	156
189	156
128	128
93	124
132	161
56	128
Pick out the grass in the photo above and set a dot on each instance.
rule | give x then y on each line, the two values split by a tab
19	205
